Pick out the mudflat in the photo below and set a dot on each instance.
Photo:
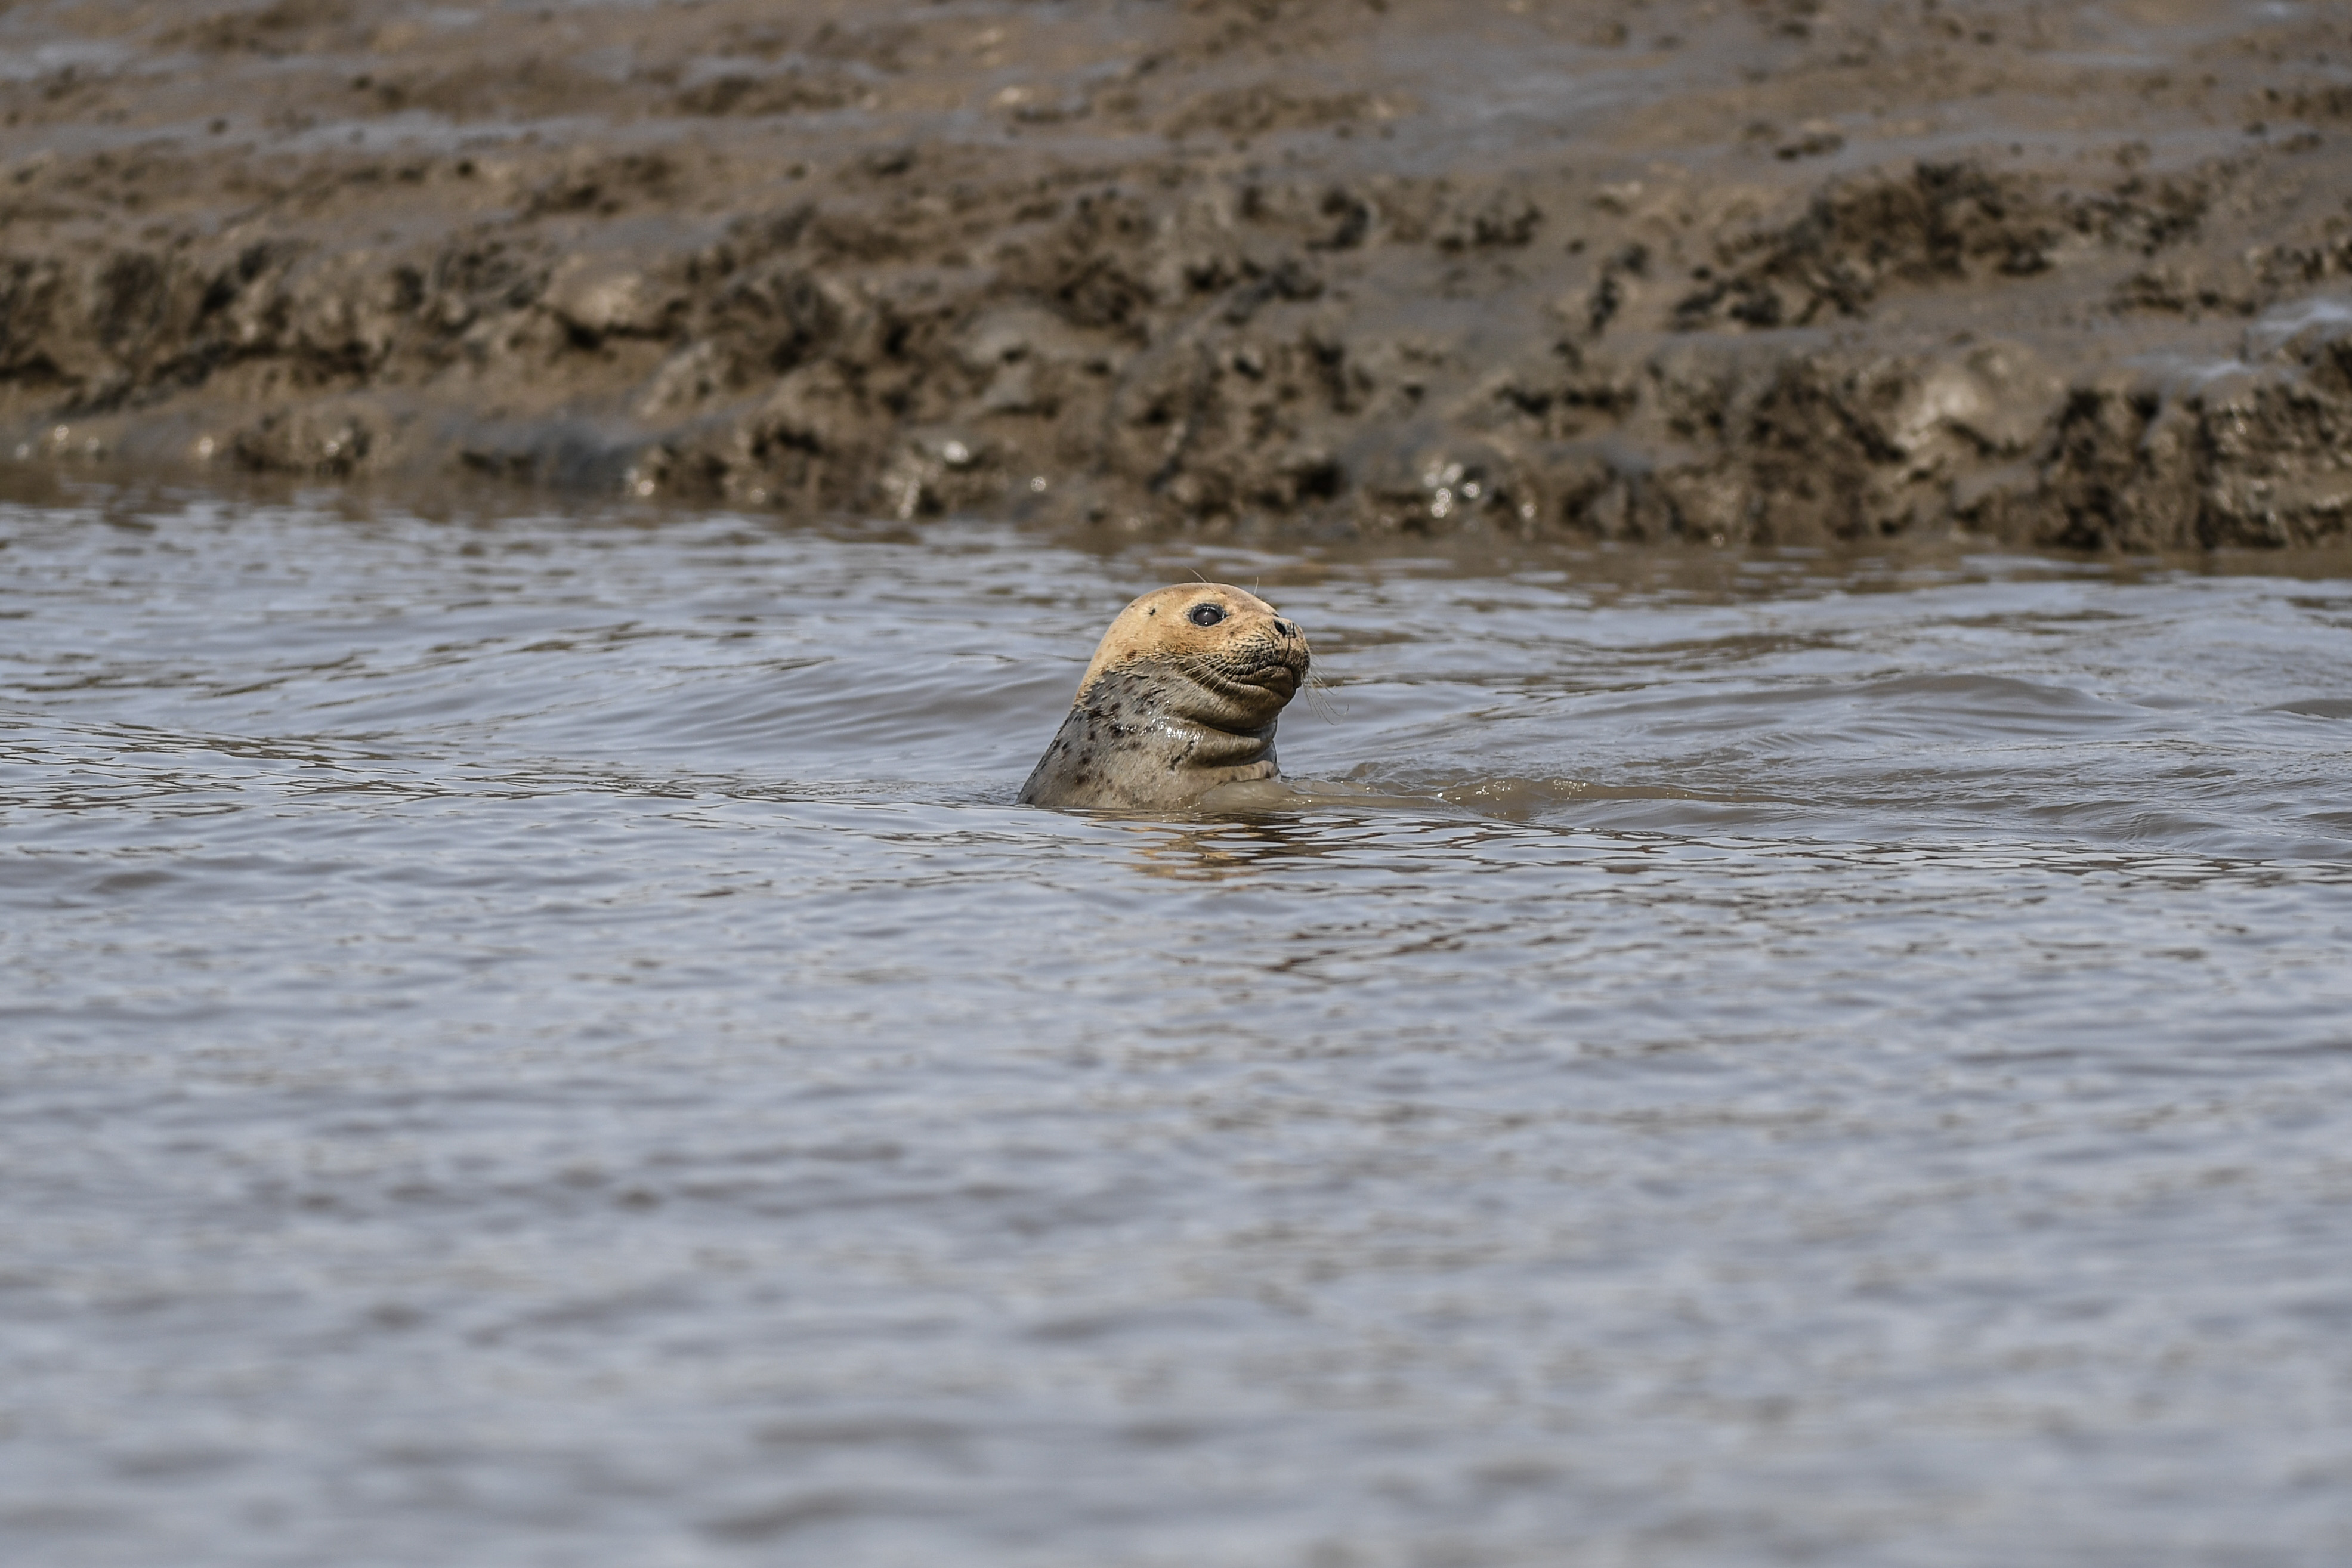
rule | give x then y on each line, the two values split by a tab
1775	271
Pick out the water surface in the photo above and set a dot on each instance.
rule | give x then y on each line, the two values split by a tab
544	1040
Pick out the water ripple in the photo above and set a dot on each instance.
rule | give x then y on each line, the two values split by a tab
545	1039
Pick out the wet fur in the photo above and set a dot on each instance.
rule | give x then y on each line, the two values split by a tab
1168	711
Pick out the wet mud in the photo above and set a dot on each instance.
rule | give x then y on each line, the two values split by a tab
1774	271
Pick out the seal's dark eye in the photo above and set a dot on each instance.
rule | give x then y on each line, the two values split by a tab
1204	615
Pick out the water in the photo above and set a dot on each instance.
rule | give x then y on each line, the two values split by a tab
542	1040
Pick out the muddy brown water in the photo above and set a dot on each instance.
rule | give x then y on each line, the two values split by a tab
544	1040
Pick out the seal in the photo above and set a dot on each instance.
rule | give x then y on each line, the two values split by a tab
1182	697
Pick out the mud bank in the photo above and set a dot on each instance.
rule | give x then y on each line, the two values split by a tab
2067	274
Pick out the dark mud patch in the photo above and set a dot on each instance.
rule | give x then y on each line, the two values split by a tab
1756	273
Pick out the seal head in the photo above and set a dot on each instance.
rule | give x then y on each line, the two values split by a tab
1182	697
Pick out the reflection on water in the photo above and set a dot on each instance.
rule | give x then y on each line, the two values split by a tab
545	1039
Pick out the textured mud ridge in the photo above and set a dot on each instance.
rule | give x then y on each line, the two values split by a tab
2071	274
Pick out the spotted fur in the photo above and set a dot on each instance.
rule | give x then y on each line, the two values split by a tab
1170	709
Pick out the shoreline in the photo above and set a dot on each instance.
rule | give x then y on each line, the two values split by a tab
1786	274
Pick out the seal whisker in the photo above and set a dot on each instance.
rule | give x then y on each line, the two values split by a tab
1321	694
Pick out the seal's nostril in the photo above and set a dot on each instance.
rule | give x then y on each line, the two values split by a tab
1286	628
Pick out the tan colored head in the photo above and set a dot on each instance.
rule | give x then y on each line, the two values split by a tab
1181	697
1246	660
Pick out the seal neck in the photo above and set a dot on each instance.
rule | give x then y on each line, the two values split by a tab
1206	702
1144	735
